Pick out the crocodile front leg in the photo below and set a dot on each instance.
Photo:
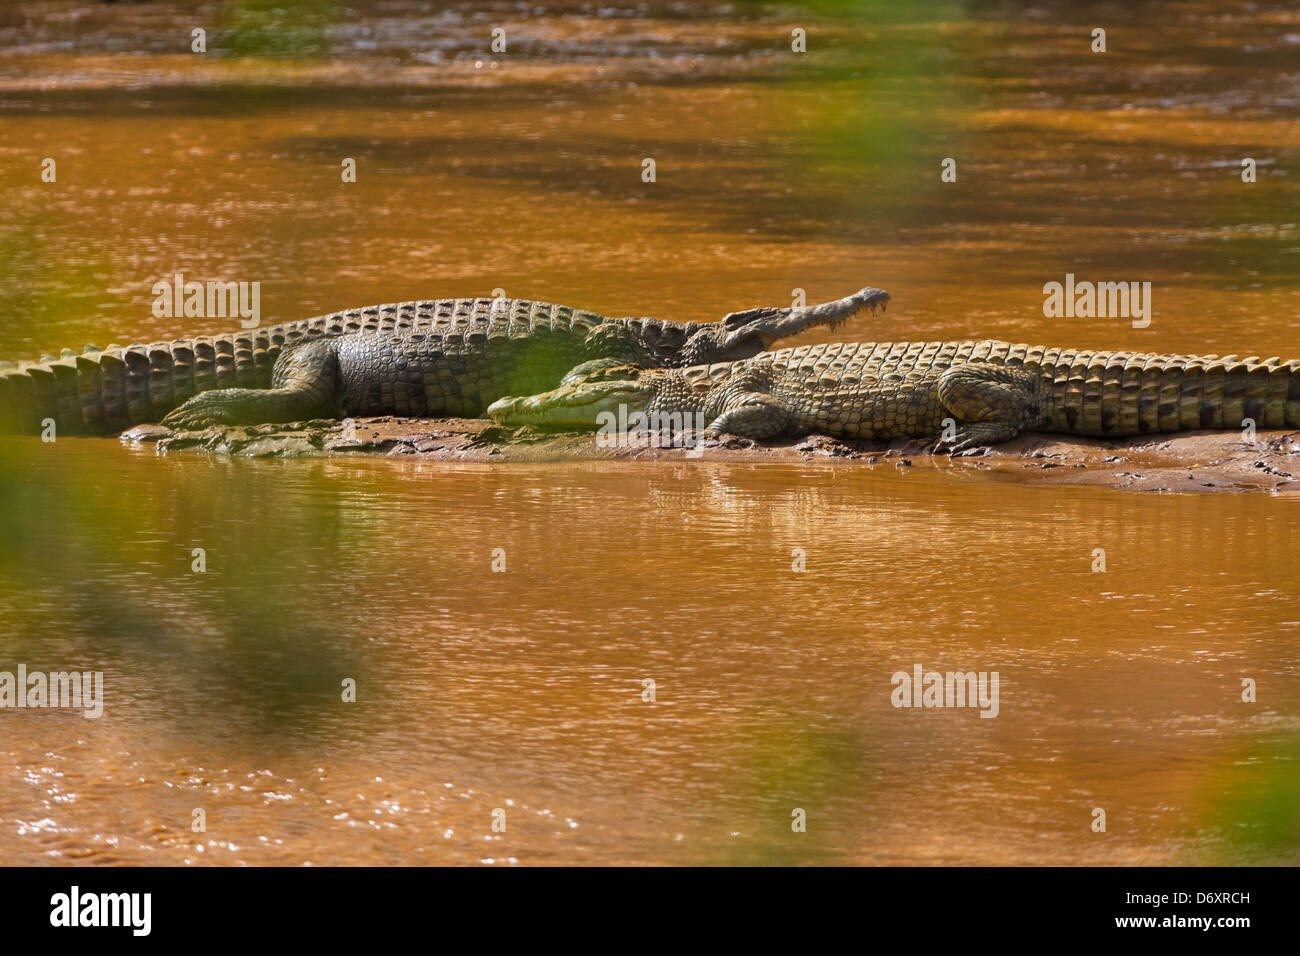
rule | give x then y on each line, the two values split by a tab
304	385
755	415
991	403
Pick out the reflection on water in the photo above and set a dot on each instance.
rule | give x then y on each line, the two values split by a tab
523	690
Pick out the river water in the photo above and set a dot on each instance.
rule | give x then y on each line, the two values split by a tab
620	661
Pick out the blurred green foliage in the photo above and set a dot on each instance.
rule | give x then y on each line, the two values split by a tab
788	765
295	29
1252	803
96	565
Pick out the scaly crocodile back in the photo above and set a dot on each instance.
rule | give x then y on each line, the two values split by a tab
1089	392
100	391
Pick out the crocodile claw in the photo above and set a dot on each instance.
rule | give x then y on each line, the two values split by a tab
974	438
200	412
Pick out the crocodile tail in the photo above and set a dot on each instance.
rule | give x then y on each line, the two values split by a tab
102	391
1282	396
1127	393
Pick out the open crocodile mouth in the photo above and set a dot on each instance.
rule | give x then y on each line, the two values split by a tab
877	300
759	329
836	324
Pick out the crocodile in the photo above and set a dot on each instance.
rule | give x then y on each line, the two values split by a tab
966	394
444	357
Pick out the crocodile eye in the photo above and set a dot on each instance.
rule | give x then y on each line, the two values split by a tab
736	319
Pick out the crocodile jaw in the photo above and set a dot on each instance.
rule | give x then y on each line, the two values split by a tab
748	333
573	407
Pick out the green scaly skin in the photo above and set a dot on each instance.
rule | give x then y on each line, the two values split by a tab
967	394
446	357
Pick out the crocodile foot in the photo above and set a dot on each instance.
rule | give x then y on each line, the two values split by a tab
974	438
200	412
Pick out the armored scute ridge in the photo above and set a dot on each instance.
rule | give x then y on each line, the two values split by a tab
989	390
439	357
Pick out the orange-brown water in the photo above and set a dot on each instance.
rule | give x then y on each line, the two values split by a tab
522	690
